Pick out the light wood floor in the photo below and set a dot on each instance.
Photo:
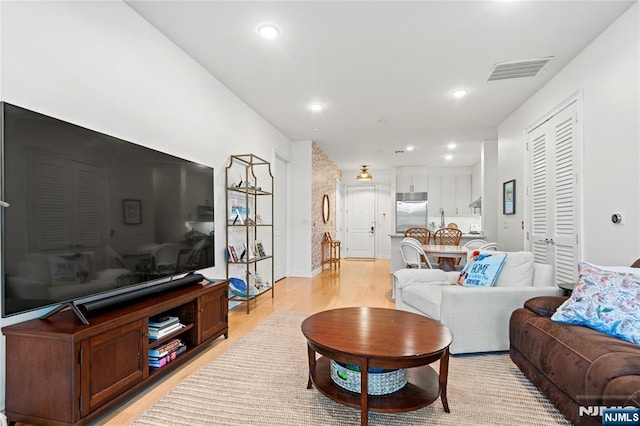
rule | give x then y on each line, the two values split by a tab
356	283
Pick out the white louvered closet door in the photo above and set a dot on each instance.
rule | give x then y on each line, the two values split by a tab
67	207
554	193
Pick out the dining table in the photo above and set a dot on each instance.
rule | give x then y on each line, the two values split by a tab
446	251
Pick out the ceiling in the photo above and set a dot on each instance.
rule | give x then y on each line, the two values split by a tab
384	70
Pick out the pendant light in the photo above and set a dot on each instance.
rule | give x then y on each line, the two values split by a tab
364	174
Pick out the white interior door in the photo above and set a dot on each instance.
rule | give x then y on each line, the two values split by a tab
280	219
340	235
361	223
554	202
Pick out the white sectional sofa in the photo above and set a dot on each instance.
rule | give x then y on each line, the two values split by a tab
477	317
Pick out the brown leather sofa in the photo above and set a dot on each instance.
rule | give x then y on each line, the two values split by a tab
574	366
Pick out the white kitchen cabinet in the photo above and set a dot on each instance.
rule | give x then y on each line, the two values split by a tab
411	183
434	190
463	195
451	193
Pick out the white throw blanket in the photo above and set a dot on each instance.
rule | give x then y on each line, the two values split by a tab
405	277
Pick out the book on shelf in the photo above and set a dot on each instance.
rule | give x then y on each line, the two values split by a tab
158	362
159	333
163	321
232	256
165	349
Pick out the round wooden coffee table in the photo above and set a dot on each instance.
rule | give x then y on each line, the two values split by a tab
379	338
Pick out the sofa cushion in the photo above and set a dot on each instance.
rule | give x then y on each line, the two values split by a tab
606	301
66	269
425	298
517	270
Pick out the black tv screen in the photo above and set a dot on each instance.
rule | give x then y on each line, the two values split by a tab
90	214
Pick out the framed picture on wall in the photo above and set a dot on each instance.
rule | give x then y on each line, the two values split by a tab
132	212
509	197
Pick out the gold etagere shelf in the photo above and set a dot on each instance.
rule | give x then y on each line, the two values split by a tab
249	200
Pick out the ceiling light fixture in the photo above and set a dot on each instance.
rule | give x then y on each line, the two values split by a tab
459	93
448	157
410	148
316	107
364	174
451	146
268	31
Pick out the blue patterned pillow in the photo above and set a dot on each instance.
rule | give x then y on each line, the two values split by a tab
606	301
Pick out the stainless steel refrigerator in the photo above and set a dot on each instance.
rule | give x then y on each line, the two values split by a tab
411	210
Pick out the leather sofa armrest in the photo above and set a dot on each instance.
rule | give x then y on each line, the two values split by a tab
545	306
622	391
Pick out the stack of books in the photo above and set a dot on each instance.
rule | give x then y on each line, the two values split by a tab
160	327
160	356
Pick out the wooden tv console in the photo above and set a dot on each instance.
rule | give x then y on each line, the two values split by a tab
62	372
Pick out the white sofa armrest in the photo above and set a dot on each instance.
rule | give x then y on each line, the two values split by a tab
406	277
479	317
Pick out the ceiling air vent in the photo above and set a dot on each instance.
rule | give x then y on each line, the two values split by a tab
518	69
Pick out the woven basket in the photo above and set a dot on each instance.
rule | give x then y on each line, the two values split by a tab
381	382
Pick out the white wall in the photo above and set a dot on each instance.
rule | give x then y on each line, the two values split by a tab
100	65
491	199
301	156
606	74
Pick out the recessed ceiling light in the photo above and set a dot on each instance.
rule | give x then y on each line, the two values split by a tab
268	31
459	93
316	107
410	148
315	130
451	146
448	157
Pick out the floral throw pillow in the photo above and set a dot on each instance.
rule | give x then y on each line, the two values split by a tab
606	301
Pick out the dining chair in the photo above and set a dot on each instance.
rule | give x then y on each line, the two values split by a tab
452	225
193	261
475	243
421	234
413	254
164	259
115	260
449	237
490	246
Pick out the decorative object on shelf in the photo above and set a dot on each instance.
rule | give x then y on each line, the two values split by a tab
132	212
325	208
260	249
259	220
364	174
509	197
239	288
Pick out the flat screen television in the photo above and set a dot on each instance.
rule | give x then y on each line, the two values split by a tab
90	215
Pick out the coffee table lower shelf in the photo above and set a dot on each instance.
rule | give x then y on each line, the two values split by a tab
421	390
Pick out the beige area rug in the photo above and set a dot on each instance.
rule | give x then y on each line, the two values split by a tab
262	380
